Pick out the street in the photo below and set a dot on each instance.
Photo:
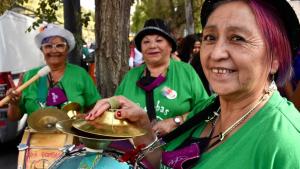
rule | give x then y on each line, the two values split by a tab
9	154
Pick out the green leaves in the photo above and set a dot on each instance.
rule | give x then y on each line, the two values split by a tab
50	11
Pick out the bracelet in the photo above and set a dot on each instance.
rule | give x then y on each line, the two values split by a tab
139	152
151	144
114	103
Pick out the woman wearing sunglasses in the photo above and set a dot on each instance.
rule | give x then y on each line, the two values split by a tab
246	46
65	82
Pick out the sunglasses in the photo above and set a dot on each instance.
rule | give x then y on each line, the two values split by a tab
60	47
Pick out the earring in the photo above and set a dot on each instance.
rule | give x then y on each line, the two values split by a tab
272	86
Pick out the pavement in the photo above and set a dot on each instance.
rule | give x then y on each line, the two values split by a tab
9	154
10	136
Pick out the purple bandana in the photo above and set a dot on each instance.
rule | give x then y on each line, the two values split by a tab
148	87
56	96
176	159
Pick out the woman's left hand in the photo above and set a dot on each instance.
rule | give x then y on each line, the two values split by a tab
163	127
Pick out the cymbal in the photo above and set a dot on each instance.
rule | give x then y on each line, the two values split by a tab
108	125
65	126
72	109
43	120
71	106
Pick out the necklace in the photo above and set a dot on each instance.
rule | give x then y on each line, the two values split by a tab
264	97
222	135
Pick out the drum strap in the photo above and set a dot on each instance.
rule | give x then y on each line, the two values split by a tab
192	122
42	89
191	148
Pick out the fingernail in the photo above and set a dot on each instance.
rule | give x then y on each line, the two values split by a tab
118	113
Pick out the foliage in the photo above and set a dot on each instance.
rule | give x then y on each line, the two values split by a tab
172	11
8	4
46	11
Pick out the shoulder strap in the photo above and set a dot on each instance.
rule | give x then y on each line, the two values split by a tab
190	123
42	89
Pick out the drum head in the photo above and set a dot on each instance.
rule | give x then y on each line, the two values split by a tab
91	160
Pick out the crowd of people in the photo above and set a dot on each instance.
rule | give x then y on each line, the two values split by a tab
221	106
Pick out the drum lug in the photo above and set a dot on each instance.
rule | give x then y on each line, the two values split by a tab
22	147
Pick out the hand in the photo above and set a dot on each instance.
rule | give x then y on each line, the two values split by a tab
163	127
128	110
136	115
100	107
14	96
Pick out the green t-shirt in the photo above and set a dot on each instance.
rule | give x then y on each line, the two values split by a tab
76	82
269	140
180	77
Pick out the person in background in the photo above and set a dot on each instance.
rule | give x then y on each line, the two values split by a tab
85	56
185	49
247	45
196	63
65	82
135	56
291	89
166	88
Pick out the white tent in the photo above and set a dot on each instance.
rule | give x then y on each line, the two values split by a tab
18	52
296	5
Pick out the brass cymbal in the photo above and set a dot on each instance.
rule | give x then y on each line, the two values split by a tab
71	106
72	109
65	126
44	120
108	125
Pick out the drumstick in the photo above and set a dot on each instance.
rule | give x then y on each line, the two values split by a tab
45	70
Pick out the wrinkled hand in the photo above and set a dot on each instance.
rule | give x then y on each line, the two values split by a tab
14	96
100	107
128	110
163	127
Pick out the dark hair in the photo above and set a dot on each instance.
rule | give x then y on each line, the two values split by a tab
185	48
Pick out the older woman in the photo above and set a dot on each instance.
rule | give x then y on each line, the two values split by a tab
168	89
65	82
246	44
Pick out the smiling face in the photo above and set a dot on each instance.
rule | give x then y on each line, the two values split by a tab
233	51
55	56
156	50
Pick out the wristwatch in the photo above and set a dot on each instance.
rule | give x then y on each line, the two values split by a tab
177	120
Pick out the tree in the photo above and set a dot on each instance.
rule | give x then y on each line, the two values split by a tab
6	4
72	22
189	17
180	14
112	30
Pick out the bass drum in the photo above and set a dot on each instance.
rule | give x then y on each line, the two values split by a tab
92	161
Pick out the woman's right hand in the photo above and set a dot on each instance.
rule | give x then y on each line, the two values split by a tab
127	110
14	96
133	113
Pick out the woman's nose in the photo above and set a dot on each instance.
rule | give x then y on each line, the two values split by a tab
220	50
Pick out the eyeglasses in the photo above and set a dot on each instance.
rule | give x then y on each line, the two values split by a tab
60	47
